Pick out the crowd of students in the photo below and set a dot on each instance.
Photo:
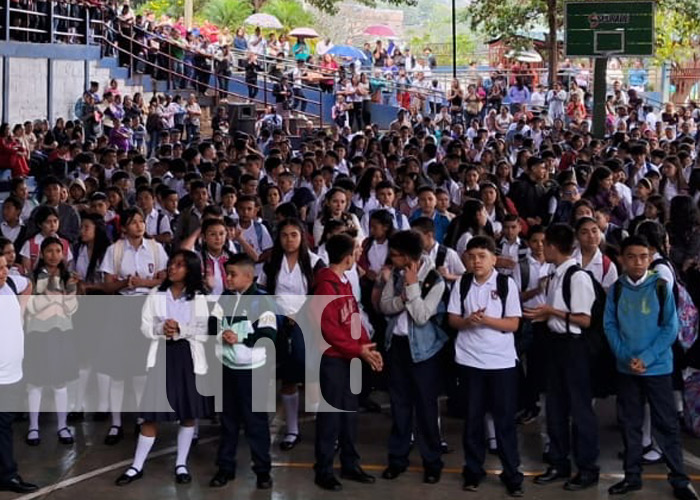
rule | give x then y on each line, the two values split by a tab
461	252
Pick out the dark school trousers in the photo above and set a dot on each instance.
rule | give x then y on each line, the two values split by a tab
413	387
334	425
494	391
569	396
238	409
10	400
633	392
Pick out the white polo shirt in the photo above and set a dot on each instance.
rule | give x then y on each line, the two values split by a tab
377	254
136	262
595	266
482	347
10	232
291	288
153	228
581	301
12	333
452	262
538	271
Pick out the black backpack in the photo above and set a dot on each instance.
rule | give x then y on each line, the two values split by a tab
594	335
13	286
501	289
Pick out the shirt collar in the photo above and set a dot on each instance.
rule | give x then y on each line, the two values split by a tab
491	280
561	268
639	281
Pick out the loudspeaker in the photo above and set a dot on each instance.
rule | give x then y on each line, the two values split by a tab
242	118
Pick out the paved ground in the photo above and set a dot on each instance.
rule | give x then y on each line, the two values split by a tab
87	470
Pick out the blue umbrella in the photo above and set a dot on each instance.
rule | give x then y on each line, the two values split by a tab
346	51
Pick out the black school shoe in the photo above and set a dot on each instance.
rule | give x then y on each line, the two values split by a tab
358	475
328	483
264	481
221	478
581	481
685	493
112	439
624	487
182	475
125	478
286	445
17	485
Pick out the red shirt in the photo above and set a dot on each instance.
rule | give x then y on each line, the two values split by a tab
337	316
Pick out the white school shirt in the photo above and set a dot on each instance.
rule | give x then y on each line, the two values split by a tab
462	242
39	238
453	263
538	270
9	232
581	301
152	226
482	347
395	214
291	287
136	262
510	251
595	266
12	352
251	236
377	254
665	272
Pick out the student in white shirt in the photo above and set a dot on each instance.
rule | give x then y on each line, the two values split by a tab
253	238
485	354
11	388
157	223
569	392
386	196
175	318
511	248
289	276
588	254
445	259
132	266
12	226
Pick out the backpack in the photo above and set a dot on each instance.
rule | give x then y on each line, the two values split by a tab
594	335
687	311
441	256
35	250
501	289
439	319
602	360
119	246
524	266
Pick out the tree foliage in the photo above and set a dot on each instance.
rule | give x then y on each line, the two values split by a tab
289	12
227	13
677	23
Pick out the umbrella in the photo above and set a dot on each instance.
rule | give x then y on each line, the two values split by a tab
304	33
264	21
526	56
346	51
380	30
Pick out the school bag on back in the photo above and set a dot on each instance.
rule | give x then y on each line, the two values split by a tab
687	311
602	359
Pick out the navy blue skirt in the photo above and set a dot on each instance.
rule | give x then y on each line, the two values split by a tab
175	387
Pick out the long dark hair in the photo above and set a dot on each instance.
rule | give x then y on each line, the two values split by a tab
467	222
597	176
364	186
194	283
64	275
272	268
99	247
683	220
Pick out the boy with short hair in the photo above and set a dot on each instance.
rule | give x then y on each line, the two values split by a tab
641	325
334	375
445	259
253	237
12	227
386	196
240	327
157	223
484	308
510	248
427	203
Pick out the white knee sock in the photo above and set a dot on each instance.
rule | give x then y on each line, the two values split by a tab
116	399
646	427
34	405
103	382
490	427
60	397
81	388
143	448
139	384
184	441
291	412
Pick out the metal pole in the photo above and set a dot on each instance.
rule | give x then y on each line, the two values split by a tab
264	88
87	25
454	40
51	7
6	6
599	91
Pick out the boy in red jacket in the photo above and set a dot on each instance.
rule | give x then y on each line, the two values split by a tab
336	320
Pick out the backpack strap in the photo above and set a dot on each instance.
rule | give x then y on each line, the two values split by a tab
431	279
259	234
524	267
33	251
11	283
464	285
118	255
154	247
606	265
566	288
661	290
502	291
441	256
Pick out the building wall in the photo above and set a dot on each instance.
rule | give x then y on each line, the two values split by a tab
28	89
68	82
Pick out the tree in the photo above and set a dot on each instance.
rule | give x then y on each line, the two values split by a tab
227	13
289	12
